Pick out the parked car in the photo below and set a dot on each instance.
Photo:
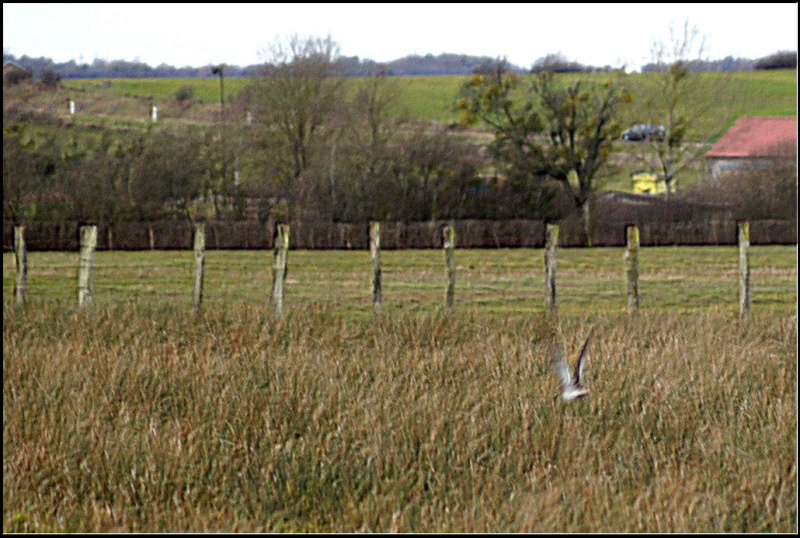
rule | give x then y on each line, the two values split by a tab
645	131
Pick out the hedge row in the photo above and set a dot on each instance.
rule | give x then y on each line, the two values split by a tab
177	235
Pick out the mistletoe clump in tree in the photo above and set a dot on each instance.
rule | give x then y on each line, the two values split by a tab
561	130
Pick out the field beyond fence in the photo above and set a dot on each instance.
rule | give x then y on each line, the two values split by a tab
490	281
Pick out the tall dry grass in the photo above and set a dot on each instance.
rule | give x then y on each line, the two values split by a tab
141	418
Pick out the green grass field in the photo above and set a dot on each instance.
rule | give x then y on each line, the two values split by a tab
721	98
509	281
138	416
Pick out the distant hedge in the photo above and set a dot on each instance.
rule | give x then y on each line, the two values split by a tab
780	60
245	235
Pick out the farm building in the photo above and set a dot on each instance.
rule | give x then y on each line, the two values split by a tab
14	73
753	144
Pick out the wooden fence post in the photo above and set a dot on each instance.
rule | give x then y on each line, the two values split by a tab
449	233
152	237
85	270
550	268
745	300
279	266
199	263
375	250
632	267
21	256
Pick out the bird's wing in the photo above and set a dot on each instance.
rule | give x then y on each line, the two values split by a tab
561	367
582	358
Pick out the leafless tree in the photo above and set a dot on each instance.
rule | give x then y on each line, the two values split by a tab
295	101
666	104
365	143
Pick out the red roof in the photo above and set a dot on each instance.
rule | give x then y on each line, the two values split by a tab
757	137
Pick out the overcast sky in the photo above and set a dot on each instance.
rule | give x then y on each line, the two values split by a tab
241	34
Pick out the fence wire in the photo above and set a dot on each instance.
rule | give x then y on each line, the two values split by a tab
487	280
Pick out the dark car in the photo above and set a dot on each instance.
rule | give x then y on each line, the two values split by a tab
645	131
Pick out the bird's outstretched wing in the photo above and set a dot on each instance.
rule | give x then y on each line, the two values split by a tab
582	359
561	367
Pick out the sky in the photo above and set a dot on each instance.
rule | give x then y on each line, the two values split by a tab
618	35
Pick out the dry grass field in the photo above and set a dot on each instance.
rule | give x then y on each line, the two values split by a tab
137	416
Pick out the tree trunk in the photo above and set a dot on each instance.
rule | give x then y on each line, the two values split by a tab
586	215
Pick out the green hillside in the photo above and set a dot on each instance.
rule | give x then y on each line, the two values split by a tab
720	98
716	101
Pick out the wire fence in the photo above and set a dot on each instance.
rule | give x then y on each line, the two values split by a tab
491	280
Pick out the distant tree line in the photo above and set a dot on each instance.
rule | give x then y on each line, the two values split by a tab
558	63
778	60
350	66
353	66
100	68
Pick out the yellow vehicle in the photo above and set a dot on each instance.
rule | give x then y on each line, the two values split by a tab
651	183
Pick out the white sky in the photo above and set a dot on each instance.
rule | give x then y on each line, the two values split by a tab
240	34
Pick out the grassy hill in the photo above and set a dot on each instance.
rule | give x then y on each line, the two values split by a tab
717	101
721	97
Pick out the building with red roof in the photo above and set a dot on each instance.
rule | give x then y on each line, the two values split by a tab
753	144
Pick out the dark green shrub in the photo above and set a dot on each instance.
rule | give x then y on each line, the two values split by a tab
51	79
184	94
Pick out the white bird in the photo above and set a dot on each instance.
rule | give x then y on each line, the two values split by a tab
571	386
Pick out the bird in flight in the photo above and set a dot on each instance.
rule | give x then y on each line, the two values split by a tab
572	387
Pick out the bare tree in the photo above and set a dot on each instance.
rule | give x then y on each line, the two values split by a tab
430	171
367	150
295	100
169	177
666	104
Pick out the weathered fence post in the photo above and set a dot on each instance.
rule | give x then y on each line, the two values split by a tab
744	270
375	250
632	267
237	171
279	266
85	270
199	263
21	256
550	267
449	233
152	237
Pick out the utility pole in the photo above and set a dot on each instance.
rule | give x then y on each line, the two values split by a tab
219	70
